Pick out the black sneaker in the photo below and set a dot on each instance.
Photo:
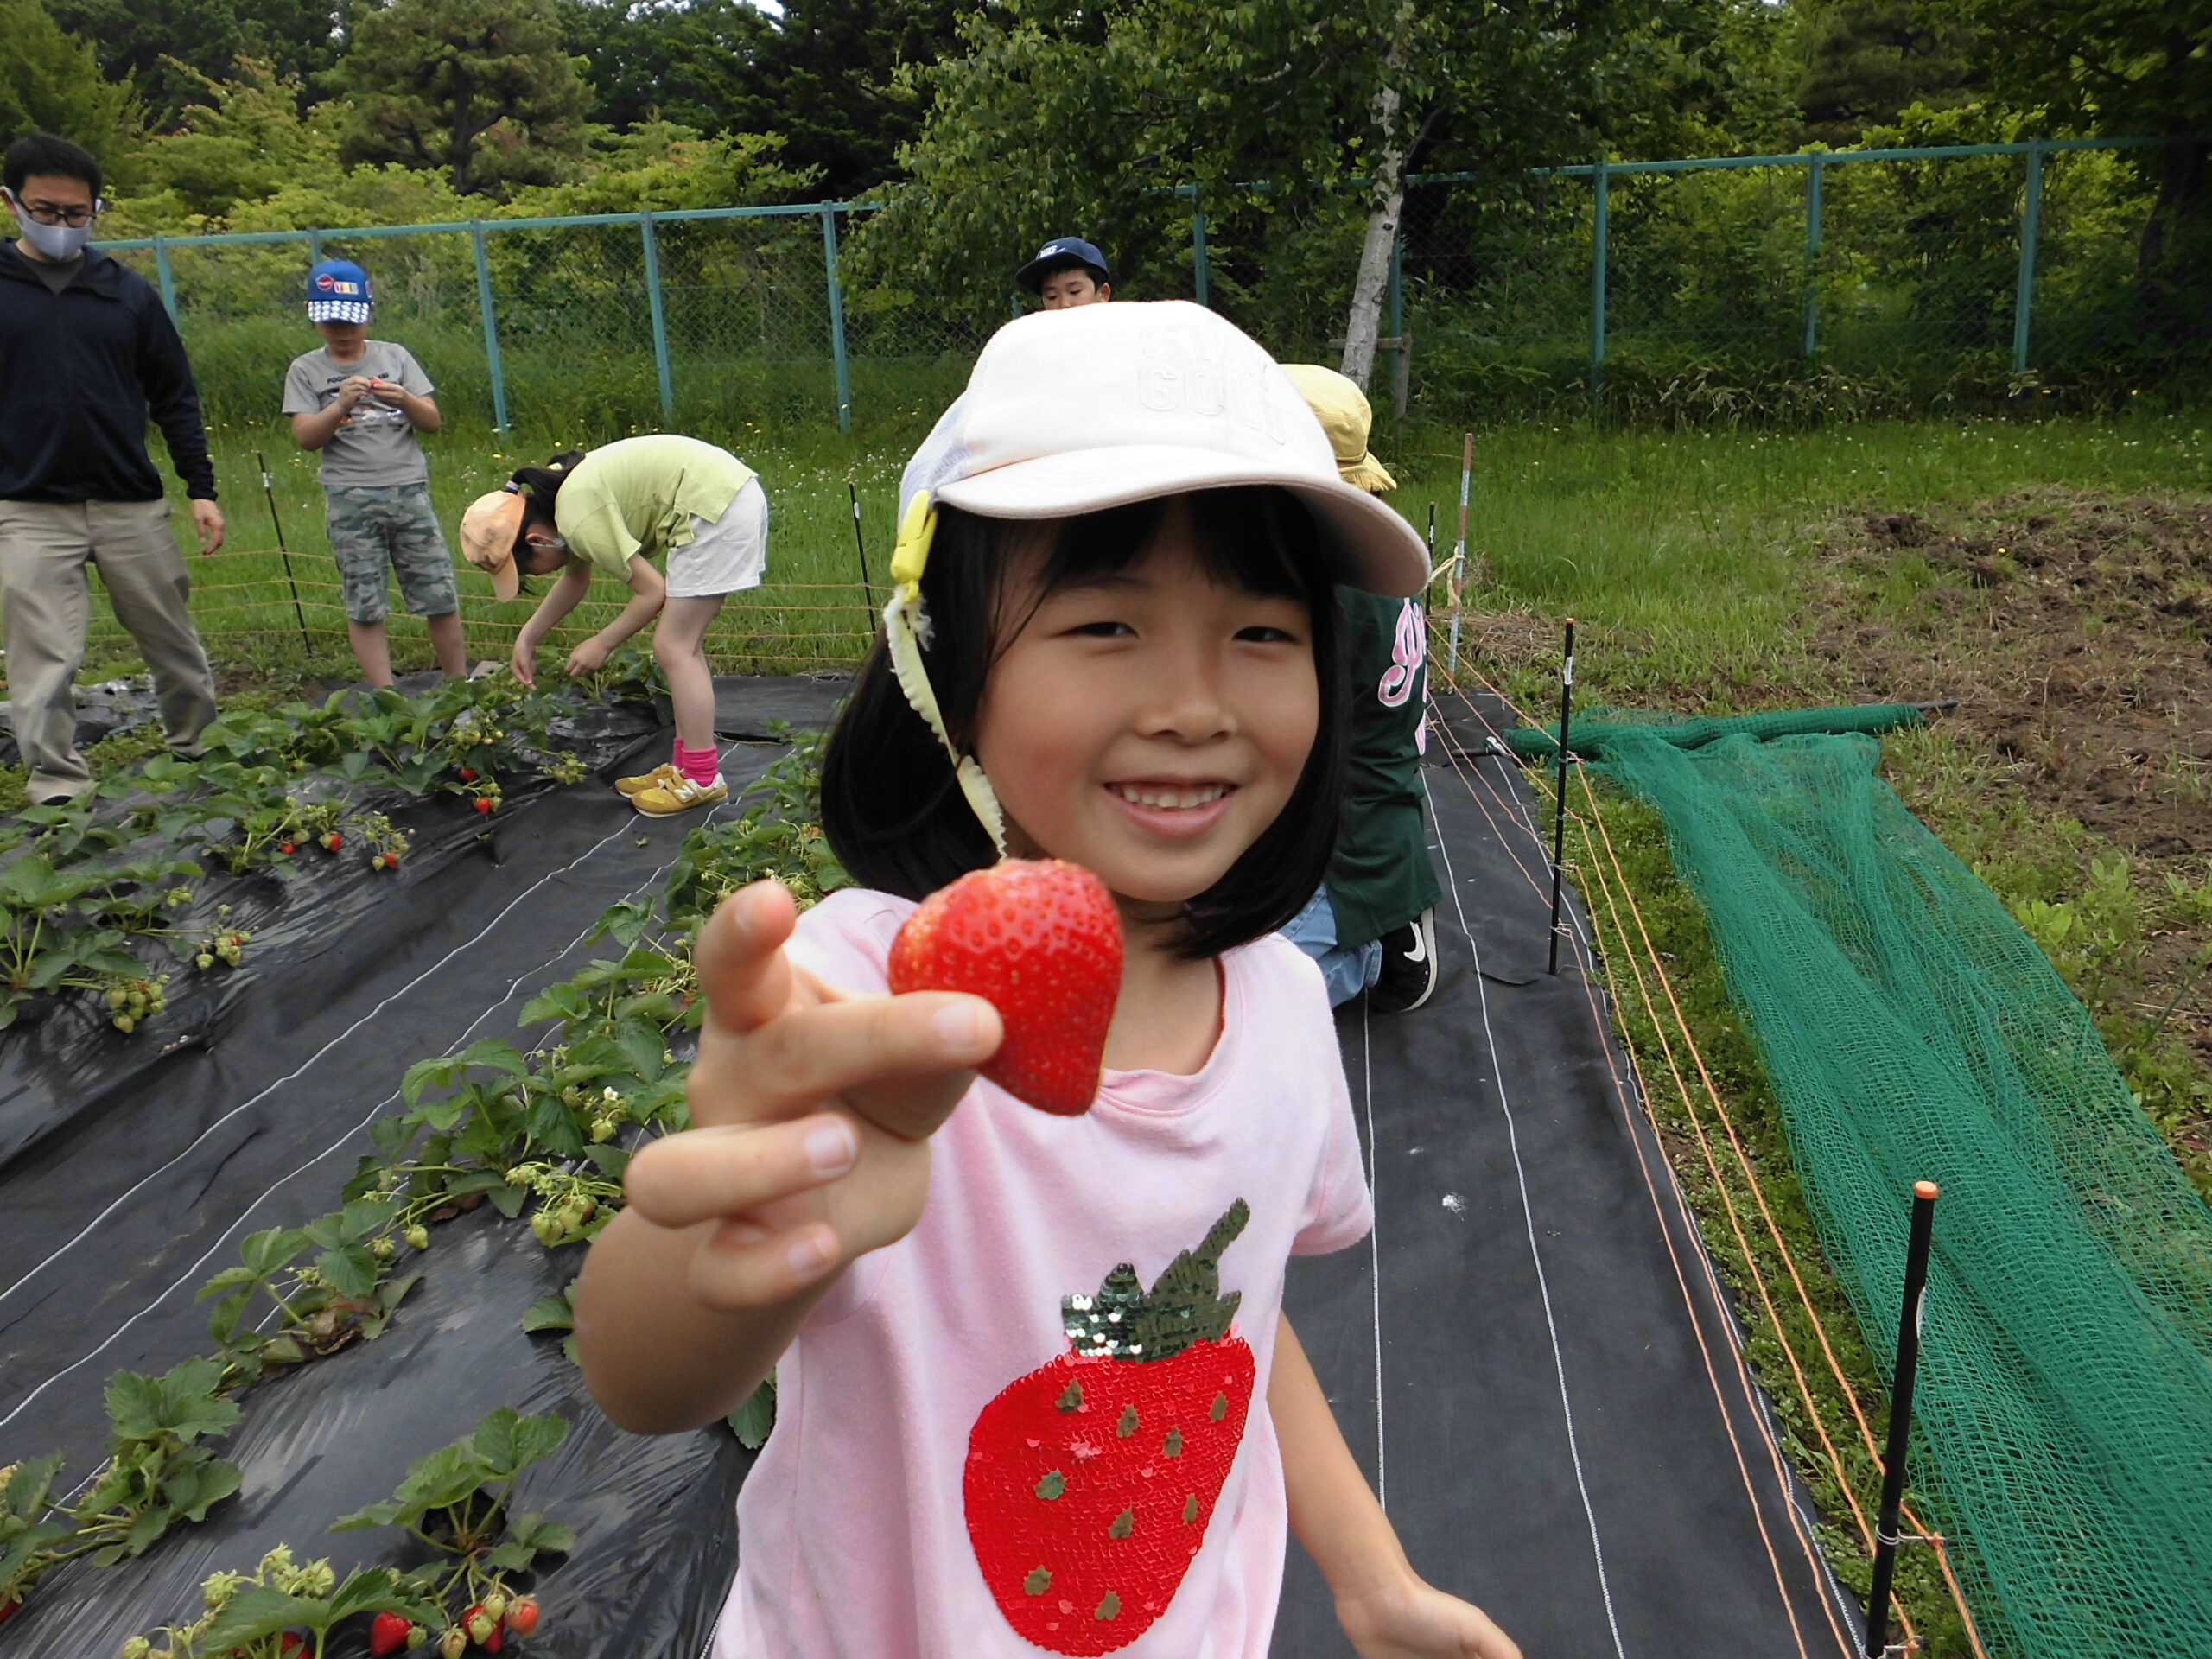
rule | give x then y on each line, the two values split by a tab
1409	966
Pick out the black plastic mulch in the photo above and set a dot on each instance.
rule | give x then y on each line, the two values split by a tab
1513	1355
143	1187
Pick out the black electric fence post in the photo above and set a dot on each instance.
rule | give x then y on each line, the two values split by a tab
269	489
860	543
1558	812
1885	1526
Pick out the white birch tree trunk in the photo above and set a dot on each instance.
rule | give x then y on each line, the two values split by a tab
1387	186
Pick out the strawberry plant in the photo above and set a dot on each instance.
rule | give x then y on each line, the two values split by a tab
157	1472
344	1293
44	948
285	1611
29	1534
779	836
456	1502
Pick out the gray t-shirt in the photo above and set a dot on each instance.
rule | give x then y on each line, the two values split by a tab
376	443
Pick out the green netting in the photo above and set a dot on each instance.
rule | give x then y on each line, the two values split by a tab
1911	1031
1588	735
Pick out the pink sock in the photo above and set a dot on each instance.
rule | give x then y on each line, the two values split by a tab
699	766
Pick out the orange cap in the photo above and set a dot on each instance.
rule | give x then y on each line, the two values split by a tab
489	530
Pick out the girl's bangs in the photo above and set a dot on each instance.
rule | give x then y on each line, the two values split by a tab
1261	540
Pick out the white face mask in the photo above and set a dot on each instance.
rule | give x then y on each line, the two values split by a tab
54	241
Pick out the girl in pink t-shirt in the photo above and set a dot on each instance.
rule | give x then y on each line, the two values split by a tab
1113	643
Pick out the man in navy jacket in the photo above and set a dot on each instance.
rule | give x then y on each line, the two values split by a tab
86	355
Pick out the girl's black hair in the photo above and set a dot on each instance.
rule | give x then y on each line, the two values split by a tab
539	486
890	806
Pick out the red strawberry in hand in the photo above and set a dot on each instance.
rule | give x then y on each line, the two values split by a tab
1091	1480
388	1634
1041	942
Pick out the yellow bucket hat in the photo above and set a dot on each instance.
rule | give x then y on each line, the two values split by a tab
1342	410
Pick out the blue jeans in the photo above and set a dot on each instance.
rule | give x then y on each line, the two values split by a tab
1347	969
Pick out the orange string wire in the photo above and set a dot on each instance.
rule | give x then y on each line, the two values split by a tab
1697	1327
1757	1189
1789	1258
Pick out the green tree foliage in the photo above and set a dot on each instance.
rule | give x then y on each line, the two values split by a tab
483	89
689	64
169	47
2129	67
828	75
240	141
1861	63
824	75
1058	116
50	81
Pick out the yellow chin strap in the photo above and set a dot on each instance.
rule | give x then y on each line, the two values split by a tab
905	627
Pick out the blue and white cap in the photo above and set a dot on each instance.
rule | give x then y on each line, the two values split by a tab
338	291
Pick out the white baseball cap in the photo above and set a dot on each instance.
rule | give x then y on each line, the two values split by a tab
1099	406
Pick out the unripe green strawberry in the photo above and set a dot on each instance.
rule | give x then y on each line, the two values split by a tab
453	1643
481	1625
418	1236
495	1606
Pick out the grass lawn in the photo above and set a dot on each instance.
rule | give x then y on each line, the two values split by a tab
2056	576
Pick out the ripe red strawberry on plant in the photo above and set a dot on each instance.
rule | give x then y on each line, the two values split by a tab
388	1633
1041	942
485	803
468	774
522	1617
1090	1481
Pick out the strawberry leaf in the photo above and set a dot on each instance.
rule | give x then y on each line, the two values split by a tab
256	1614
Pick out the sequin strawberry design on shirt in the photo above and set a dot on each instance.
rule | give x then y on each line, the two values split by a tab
1090	1482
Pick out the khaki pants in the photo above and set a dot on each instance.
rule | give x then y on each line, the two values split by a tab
43	548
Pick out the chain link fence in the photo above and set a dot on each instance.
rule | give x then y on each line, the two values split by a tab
1828	283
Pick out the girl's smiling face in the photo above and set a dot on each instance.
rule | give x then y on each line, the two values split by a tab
1149	725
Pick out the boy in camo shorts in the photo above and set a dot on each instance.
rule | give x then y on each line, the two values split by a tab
361	402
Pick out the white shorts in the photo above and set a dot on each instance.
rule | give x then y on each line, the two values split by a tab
726	554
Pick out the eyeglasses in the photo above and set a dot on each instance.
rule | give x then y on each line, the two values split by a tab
45	212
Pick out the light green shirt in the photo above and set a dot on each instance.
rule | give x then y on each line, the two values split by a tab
640	496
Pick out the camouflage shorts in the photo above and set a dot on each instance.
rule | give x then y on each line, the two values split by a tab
375	529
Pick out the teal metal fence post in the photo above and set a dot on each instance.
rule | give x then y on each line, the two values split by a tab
1198	249
659	318
1813	255
838	320
314	247
490	328
1598	240
167	277
2030	231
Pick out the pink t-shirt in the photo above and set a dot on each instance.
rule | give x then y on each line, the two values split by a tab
855	1525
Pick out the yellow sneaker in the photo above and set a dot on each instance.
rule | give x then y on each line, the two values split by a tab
633	787
665	800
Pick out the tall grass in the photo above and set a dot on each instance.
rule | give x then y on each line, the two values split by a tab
1680	552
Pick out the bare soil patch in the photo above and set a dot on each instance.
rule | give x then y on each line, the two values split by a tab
2075	633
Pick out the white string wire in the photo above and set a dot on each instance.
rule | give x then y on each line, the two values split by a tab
1535	1250
343	1139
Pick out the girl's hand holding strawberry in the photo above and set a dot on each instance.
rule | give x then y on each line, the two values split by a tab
811	1109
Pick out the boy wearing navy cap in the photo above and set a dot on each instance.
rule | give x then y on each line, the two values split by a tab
361	402
1067	271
